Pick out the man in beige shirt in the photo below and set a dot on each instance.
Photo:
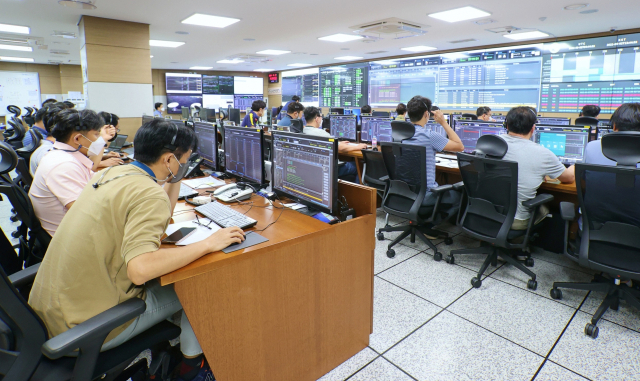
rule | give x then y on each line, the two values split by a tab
107	247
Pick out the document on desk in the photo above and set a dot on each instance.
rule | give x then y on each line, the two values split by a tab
201	233
204	182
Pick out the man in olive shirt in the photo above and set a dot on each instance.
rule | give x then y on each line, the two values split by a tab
107	247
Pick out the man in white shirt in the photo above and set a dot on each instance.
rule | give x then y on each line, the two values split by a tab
48	114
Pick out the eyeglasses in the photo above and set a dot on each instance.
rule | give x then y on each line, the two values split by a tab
201	224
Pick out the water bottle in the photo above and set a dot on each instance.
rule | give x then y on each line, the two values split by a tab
374	142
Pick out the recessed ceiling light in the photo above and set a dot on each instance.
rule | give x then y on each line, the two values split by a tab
273	52
341	37
460	14
526	35
151	56
573	7
348	58
420	48
15	47
16	59
201	68
208	20
300	65
234	61
165	44
485	21
588	11
263	70
14	29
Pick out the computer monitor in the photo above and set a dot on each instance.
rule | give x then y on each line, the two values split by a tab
305	169
605	123
499	118
146	119
337	110
554	121
208	115
185	112
381	114
243	152
375	126
343	126
567	143
602	131
434	126
234	116
178	123
455	118
470	131
207	143
393	114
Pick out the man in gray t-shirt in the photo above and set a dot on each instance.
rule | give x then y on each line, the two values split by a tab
534	162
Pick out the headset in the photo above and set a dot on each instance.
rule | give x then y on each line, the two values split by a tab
172	146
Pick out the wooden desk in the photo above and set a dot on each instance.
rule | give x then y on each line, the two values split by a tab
292	308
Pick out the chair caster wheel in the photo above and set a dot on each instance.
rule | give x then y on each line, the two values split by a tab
14	218
450	259
475	282
380	236
591	330
494	263
555	293
529	262
448	241
437	257
15	234
532	284
391	253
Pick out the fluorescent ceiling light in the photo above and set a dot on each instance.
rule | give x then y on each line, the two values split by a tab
460	14
15	47
201	68
300	65
151	56
341	37
526	35
386	62
263	70
273	52
14	29
234	61
420	48
16	59
165	44
208	20
348	58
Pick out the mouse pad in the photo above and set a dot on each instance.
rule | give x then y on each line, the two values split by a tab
250	239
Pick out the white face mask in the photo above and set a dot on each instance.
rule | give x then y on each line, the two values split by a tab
161	109
96	147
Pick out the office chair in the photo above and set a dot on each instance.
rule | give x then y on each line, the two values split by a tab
15	110
586	121
296	126
28	118
18	132
471	116
373	172
24	177
405	193
610	238
28	353
491	189
401	131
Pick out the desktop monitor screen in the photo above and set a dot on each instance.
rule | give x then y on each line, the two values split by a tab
305	169
567	143
602	131
243	151
185	112
604	123
207	143
343	126
554	121
375	126
178	123
234	115
470	131
146	119
382	114
244	102
499	118
208	115
338	110
434	126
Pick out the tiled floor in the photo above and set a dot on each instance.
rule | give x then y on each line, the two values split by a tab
430	324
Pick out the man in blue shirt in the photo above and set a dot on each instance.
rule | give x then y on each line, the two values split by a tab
253	117
294	99
294	111
38	126
157	113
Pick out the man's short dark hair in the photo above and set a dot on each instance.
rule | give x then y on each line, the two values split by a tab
109	118
158	105
366	109
293	107
417	107
49	101
311	112
401	108
257	105
70	121
153	137
49	117
627	117
482	110
295	98
591	110
70	104
520	120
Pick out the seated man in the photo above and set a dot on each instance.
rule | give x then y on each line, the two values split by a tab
107	249
534	163
366	109
253	117
419	110
294	111
294	99
47	116
590	110
38	125
484	113
401	109
346	171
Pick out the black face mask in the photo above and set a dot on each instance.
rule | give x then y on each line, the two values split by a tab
179	175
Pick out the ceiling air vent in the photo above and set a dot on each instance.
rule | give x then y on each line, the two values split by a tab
393	27
81	4
462	41
59	52
246	57
503	30
62	34
378	52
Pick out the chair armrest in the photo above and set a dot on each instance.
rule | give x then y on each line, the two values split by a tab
537	201
24	277
441	189
91	333
567	211
458	186
384	178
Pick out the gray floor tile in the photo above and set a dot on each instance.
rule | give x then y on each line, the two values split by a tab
613	355
381	262
546	274
554	372
626	315
380	370
393	220
396	313
451	348
449	227
437	282
418	244
472	262
349	367
515	314
558	259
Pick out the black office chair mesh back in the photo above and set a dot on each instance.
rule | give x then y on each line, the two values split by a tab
471	116
586	121
296	126
402	130
374	170
406	183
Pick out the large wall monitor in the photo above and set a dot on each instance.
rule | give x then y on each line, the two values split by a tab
182	83
304	83
248	85
217	84
344	86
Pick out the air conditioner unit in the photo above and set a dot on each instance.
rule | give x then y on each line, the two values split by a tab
393	27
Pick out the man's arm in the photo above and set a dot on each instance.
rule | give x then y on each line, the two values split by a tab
107	133
344	147
454	144
569	175
173	191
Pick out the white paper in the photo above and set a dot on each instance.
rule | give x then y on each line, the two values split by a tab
201	233
294	206
203	182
